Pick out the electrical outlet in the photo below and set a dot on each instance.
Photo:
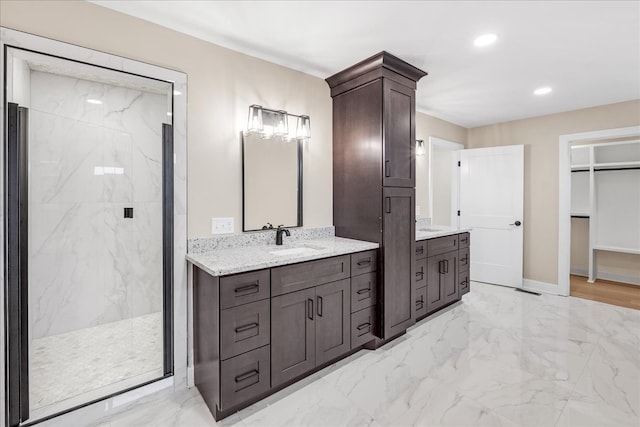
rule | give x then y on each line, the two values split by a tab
222	225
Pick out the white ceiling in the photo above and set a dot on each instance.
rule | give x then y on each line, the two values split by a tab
588	51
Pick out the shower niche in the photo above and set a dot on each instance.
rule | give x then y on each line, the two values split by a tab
89	168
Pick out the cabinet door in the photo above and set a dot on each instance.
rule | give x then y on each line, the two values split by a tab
293	339
435	280
442	285
333	318
398	254
399	135
450	284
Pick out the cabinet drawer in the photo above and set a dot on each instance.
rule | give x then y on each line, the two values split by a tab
364	262
295	277
244	328
440	245
463	259
244	377
421	302
421	273
464	239
464	284
363	291
421	249
363	324
244	288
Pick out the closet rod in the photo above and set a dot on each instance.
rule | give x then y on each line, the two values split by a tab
616	169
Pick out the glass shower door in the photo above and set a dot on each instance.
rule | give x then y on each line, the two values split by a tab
93	169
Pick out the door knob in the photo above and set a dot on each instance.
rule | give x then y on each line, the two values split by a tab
517	224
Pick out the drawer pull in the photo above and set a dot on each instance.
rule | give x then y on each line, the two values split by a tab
319	306
253	287
465	240
363	291
364	263
247	375
419	304
420	250
248	327
363	326
464	284
464	260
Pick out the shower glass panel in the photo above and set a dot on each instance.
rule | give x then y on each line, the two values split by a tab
96	242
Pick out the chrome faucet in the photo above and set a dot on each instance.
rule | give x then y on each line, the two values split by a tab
279	233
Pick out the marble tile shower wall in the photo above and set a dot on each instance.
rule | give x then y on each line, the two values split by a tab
88	264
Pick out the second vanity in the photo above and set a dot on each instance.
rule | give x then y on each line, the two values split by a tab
266	316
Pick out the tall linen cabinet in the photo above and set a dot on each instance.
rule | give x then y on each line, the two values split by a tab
374	175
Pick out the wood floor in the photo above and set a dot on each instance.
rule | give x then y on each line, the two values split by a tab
605	291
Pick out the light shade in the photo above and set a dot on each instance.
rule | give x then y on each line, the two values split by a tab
281	127
254	123
420	147
303	128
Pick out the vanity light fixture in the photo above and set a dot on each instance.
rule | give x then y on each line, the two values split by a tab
542	91
420	147
485	40
268	123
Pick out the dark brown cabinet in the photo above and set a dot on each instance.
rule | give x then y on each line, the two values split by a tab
398	252
374	175
464	263
310	327
293	350
445	263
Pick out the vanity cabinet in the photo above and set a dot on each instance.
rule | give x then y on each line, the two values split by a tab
442	272
374	176
259	331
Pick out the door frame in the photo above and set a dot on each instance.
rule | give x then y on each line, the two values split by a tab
455	175
564	194
179	304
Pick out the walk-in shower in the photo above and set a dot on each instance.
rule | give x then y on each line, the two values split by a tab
88	232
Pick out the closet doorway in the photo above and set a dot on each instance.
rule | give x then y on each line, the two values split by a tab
602	237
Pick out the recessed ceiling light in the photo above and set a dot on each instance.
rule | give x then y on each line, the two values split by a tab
94	101
485	40
542	90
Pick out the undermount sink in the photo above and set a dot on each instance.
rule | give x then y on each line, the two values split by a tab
430	230
296	250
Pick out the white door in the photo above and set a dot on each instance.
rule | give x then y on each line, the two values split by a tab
491	204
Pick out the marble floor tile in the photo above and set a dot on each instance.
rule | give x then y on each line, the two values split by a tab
498	358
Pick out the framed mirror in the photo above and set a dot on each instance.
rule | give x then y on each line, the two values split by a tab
271	182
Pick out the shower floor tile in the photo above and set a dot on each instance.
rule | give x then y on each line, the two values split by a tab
73	368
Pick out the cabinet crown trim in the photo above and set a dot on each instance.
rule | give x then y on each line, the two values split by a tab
380	60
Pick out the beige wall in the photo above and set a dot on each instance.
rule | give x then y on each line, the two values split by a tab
222	84
427	126
540	137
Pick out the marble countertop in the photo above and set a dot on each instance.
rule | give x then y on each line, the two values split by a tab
221	262
432	231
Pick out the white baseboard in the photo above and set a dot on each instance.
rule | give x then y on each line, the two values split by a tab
536	286
618	278
608	276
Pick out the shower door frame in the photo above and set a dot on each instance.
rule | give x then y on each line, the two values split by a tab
173	276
